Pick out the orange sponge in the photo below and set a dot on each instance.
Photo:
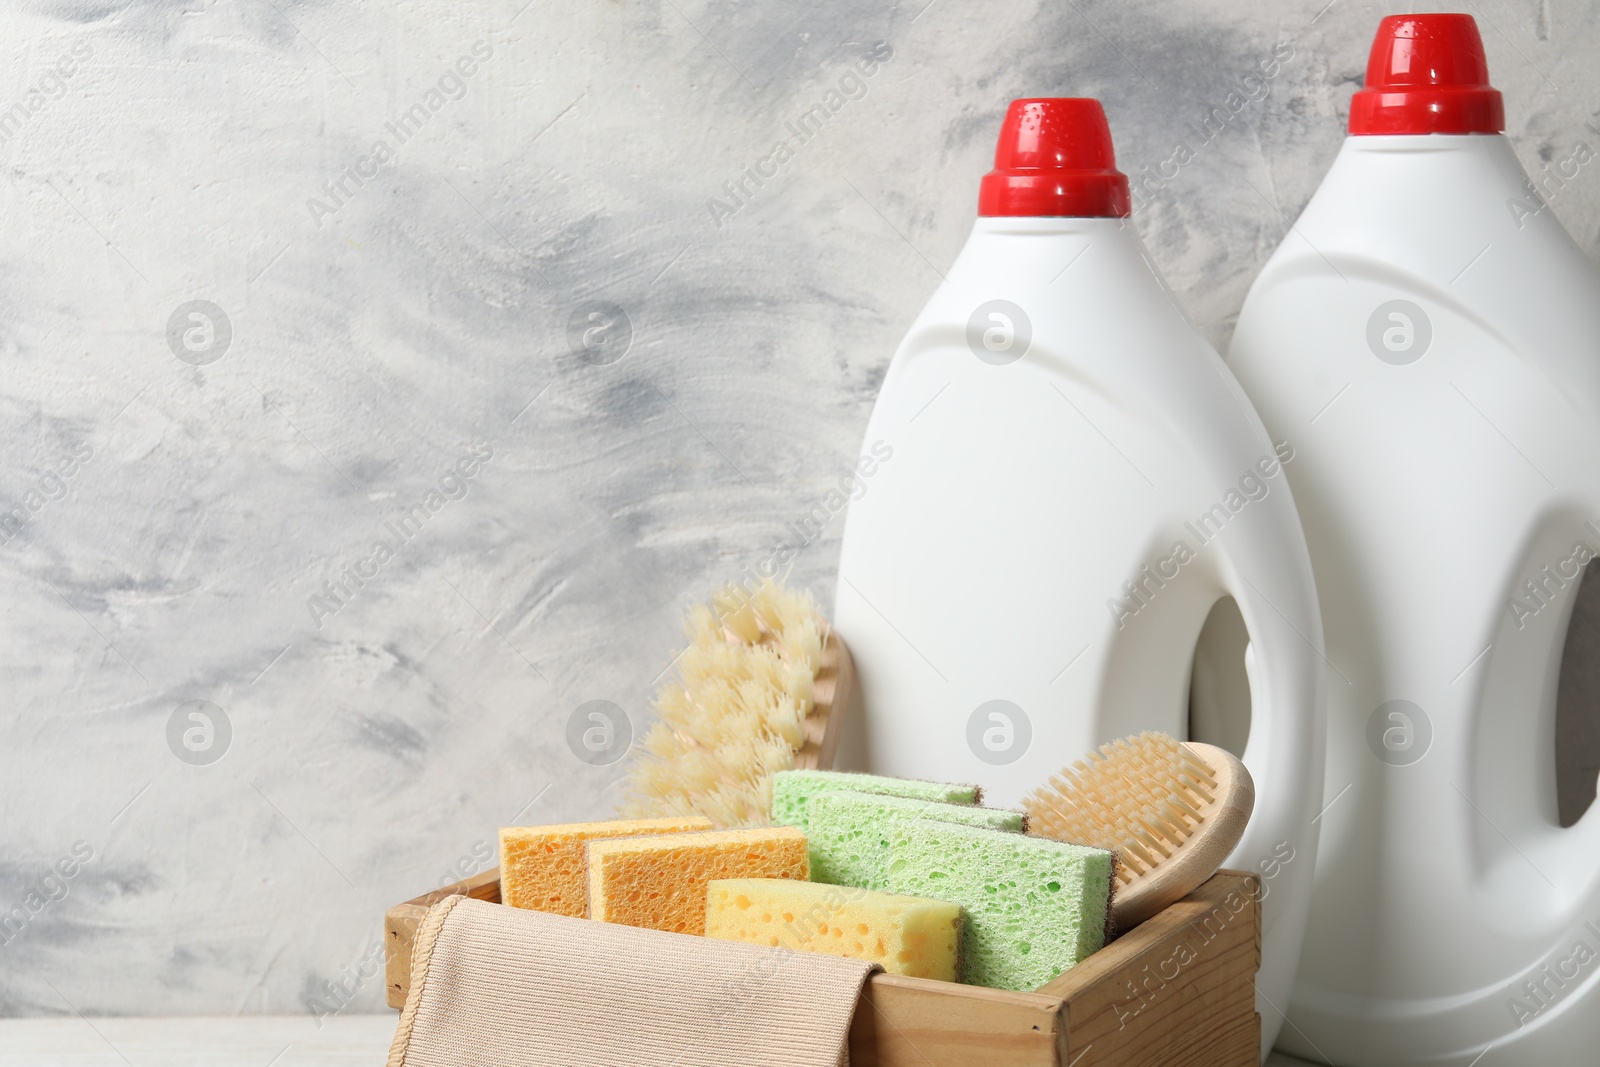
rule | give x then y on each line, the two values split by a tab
660	882
542	867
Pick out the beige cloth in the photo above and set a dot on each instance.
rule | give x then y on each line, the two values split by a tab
494	986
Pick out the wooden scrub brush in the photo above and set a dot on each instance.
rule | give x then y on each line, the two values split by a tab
763	687
1171	811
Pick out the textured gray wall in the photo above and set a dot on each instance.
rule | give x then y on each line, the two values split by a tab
168	152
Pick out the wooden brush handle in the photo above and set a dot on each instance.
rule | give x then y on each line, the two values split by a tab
832	690
1200	856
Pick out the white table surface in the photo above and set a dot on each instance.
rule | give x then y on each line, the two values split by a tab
241	1041
244	1041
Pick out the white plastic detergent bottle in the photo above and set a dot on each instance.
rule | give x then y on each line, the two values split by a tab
1066	484
1428	338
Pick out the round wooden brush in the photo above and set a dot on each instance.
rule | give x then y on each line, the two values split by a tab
1171	811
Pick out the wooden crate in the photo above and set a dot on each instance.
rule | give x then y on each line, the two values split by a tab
1178	991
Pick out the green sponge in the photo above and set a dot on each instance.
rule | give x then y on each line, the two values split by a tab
792	791
1034	907
848	833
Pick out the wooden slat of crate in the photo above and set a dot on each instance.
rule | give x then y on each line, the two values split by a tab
400	928
914	1022
1177	991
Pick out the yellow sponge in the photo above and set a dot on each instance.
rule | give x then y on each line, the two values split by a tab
660	882
542	867
913	936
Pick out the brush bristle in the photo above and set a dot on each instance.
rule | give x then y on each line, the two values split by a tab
735	713
1141	797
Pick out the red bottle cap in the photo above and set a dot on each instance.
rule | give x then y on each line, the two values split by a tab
1427	74
1054	157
